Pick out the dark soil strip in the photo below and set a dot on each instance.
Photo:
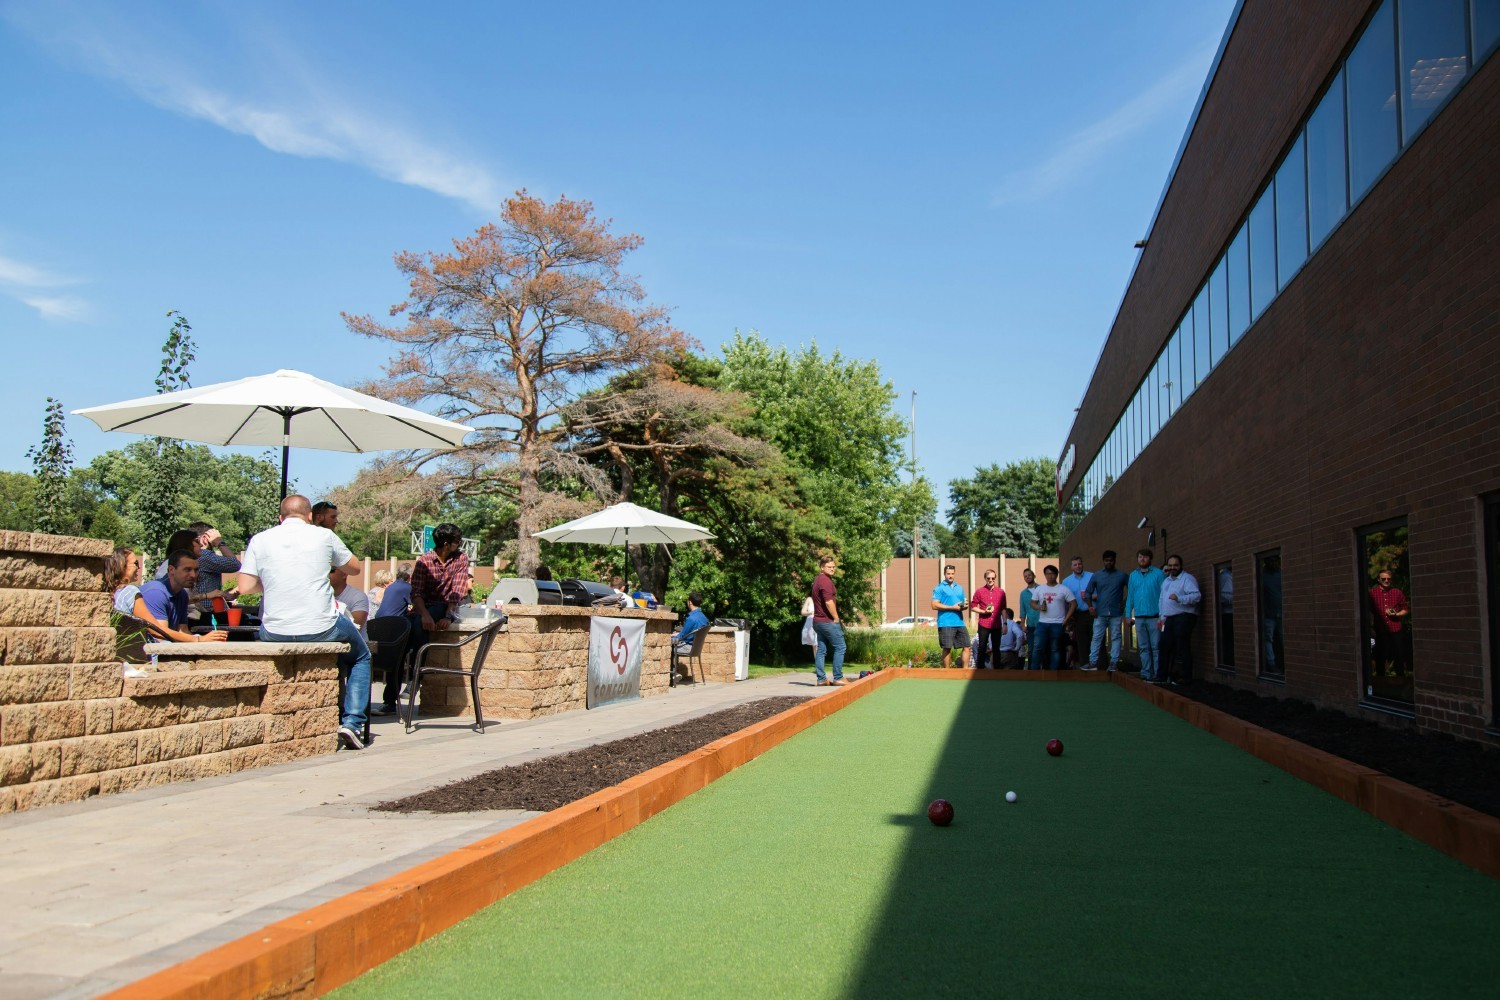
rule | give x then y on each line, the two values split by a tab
550	782
1467	773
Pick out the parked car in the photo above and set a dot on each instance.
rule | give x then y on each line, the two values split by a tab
907	623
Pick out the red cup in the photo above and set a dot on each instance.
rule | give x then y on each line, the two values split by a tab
218	605
234	615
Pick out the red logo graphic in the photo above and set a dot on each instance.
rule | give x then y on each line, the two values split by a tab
619	650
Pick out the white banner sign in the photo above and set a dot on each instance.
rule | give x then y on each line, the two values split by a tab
617	648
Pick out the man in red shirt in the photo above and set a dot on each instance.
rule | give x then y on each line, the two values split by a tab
1391	611
827	623
989	605
439	583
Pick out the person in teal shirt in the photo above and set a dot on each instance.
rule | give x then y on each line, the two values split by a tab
948	601
1143	611
1030	616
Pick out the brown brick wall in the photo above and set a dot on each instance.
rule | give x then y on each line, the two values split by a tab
1369	390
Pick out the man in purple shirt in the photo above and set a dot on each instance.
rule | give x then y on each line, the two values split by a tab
827	623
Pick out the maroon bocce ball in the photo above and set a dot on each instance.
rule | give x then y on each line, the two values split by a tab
940	812
1054	747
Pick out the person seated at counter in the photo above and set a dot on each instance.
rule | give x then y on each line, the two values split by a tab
290	564
682	639
353	603
439	583
122	578
215	558
396	598
164	603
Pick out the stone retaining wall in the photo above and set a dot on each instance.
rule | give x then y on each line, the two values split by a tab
71	724
539	664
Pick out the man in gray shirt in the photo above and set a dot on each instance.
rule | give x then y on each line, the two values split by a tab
1106	592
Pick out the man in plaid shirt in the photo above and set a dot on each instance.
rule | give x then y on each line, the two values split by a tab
439	583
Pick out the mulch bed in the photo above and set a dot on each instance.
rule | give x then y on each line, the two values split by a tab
550	782
1467	773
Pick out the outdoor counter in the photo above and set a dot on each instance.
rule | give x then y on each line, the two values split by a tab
538	664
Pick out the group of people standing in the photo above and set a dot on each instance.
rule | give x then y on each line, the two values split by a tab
1077	621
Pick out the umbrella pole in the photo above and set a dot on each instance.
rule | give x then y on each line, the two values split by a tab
286	447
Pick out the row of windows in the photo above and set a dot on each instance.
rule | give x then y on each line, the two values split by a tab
1410	58
1383	583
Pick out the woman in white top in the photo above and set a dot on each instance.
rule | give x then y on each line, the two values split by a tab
122	578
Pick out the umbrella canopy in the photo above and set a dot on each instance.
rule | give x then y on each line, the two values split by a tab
287	408
625	524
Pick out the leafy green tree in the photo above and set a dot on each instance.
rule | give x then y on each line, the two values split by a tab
668	444
930	539
983	502
833	419
159	507
1012	533
17	501
51	463
238	494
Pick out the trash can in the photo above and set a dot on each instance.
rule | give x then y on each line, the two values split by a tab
741	628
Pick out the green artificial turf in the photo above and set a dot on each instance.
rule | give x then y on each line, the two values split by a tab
1151	859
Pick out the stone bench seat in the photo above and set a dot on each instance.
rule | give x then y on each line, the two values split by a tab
178	681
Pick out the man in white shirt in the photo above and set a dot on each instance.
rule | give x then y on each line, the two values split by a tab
290	564
1179	613
352	601
1055	604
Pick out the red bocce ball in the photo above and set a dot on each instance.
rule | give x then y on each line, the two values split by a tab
940	812
1054	747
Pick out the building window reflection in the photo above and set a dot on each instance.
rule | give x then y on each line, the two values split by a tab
1434	58
1385	612
1224	614
1371	89
1272	635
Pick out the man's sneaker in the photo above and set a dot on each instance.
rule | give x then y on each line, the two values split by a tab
379	710
1113	667
1088	666
350	739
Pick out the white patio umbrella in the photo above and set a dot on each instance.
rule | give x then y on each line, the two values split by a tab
626	524
287	408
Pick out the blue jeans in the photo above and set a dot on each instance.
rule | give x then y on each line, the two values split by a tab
1048	646
355	663
1111	625
830	636
1148	641
1031	663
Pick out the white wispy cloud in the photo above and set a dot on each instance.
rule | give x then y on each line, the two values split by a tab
36	287
286	108
1089	145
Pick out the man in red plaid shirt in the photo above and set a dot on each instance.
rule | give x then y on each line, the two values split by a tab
439	583
1391	637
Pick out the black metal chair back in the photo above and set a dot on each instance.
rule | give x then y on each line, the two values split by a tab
485	638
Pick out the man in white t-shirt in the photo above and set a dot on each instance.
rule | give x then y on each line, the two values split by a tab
352	601
1055	604
290	564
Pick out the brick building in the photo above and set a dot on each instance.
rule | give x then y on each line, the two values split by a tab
1302	383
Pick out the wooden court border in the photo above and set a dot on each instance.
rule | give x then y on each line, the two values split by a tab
320	949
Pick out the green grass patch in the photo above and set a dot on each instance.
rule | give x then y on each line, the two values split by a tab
1150	859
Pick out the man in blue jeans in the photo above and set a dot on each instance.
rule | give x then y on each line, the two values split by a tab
827	623
1106	591
1143	611
290	564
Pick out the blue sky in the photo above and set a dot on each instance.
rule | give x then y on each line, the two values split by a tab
954	193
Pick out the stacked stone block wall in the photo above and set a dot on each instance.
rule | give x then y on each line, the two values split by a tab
73	726
539	664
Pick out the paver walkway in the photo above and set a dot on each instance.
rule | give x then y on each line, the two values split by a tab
96	894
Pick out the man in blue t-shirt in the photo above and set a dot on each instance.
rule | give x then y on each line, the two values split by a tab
948	601
164	603
696	620
1143	612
